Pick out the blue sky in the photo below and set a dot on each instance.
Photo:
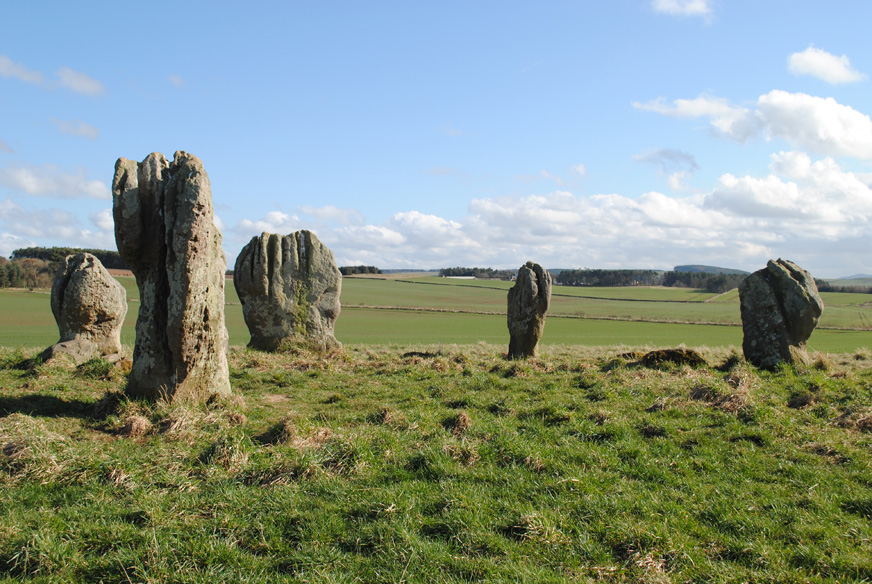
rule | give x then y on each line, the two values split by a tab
621	134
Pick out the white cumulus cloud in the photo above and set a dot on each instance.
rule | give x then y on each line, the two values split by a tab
819	124
9	243
51	181
809	210
823	65
272	222
103	220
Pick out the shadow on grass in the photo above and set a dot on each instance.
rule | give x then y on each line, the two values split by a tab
48	406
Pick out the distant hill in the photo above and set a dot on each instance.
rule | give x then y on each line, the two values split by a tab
856	277
707	269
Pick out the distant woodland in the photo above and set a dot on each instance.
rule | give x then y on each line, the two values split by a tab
35	267
709	281
352	270
480	273
55	255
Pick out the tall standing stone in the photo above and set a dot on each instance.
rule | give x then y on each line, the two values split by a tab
780	308
289	287
165	231
528	302
89	306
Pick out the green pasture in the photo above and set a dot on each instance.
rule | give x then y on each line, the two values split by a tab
658	293
430	310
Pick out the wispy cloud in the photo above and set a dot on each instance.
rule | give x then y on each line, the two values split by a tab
823	65
450	130
22	227
683	7
79	82
446	171
675	165
332	214
77	128
541	175
9	68
176	80
65	77
51	181
667	159
733	121
4	147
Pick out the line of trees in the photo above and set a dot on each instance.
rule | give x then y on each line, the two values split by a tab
824	286
55	255
481	273
710	282
703	281
26	273
352	270
608	278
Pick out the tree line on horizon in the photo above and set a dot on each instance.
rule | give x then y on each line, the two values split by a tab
55	255
352	270
480	273
708	281
34	267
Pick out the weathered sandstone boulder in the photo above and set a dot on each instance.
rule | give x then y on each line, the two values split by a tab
528	302
165	231
89	306
289	287
780	307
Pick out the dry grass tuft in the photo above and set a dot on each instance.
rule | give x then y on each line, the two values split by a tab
229	452
136	427
732	400
653	569
457	424
285	431
534	528
464	452
390	417
317	438
854	420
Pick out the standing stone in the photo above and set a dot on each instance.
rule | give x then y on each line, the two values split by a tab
289	287
89	306
780	307
165	231
528	302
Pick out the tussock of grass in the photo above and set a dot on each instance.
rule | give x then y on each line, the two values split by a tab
452	465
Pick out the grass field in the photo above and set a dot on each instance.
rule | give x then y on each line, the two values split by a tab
458	466
382	312
580	466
